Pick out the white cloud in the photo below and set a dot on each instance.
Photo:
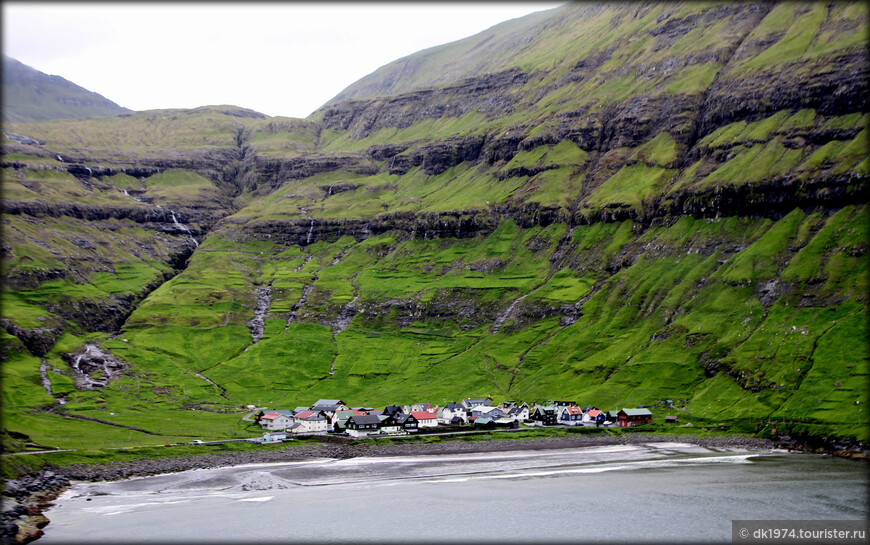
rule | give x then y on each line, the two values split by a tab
280	59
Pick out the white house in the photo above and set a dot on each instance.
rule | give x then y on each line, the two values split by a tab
487	411
275	421
425	419
521	413
310	422
451	411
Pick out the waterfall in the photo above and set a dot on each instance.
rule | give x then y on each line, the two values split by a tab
88	349
310	231
59	158
46	381
181	227
90	172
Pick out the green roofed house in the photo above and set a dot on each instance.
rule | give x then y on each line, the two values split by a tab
544	415
634	417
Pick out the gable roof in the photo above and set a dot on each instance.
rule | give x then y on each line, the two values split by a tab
573	410
593	413
636	412
360	419
329	402
271	416
326	407
423	415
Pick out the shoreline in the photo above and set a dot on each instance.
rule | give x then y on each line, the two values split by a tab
332	448
37	491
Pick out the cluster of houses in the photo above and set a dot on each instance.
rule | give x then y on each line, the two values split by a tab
335	416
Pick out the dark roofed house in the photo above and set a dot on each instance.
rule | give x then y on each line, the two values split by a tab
544	415
330	402
363	424
390	424
521	413
472	401
329	407
393	410
408	422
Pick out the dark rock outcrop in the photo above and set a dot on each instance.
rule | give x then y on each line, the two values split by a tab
24	499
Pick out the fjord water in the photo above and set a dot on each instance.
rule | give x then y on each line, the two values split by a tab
664	492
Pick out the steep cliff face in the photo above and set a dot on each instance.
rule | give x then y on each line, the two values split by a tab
617	203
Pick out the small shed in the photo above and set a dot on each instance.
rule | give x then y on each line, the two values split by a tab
671	419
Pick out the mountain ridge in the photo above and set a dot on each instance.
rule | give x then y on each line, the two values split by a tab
31	95
644	216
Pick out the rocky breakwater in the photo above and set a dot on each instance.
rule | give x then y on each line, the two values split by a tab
23	502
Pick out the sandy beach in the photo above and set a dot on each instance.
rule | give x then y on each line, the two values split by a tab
340	450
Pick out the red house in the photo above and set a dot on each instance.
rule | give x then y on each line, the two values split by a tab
634	417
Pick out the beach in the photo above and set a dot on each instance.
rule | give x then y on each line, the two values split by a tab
482	491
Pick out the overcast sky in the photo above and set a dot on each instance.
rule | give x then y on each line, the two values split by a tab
277	58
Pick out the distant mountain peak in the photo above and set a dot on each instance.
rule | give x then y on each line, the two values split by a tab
31	95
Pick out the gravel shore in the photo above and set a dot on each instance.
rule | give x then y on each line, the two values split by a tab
336	449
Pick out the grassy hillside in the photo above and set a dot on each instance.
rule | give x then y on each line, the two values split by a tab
618	204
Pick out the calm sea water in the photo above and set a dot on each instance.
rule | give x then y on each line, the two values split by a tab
665	492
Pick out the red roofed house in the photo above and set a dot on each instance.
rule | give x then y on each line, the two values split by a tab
425	419
310	421
275	421
594	417
571	416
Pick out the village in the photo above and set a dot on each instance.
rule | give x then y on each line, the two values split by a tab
334	416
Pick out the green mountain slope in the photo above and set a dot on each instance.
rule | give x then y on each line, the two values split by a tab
30	95
619	204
